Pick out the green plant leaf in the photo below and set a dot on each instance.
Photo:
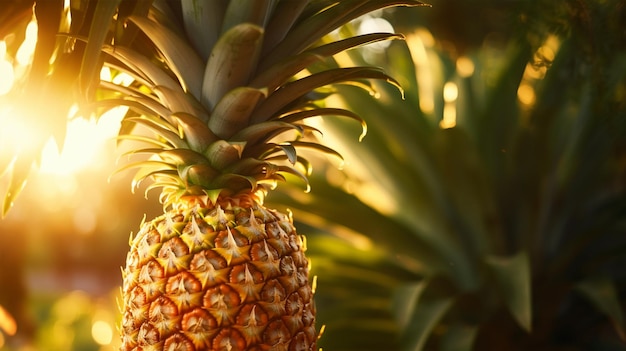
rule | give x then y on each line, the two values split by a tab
246	11
178	101
20	170
195	131
140	65
181	58
417	314
602	293
283	17
203	20
513	277
231	63
98	31
309	31
405	300
263	132
233	111
294	90
459	337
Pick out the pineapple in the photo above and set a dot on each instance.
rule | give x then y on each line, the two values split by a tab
221	102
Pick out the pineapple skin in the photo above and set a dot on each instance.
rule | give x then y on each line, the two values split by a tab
229	276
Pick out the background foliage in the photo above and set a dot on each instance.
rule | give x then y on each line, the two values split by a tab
485	210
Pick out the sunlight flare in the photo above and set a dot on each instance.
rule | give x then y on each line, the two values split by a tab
102	332
7	322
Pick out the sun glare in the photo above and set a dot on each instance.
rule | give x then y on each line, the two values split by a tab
85	137
375	25
25	53
450	94
17	134
465	67
6	70
84	142
419	43
102	332
7	323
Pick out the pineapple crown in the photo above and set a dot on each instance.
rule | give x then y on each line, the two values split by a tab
225	88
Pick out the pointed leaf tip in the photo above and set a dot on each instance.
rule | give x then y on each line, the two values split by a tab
513	277
602	293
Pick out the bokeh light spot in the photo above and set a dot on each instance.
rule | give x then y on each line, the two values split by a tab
465	66
7	323
450	92
376	25
526	94
102	332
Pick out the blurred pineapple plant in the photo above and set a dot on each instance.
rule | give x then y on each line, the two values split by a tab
218	105
486	211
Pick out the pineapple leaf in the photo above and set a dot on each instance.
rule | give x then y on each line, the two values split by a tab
203	20
258	133
195	131
213	194
144	139
157	122
177	101
127	93
246	11
173	137
222	154
199	174
313	28
167	178
233	181
144	107
290	152
294	90
231	63
283	17
513	276
233	111
301	115
336	47
245	165
281	72
140	65
179	157
117	68
297	173
144	168
181	58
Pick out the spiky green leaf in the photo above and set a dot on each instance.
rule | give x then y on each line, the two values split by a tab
294	90
513	276
233	111
602	293
203	20
181	58
232	61
195	131
98	31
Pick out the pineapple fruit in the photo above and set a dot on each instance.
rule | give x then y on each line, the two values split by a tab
230	275
221	94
